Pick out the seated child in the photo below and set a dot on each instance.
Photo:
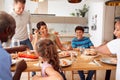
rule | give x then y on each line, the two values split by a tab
50	69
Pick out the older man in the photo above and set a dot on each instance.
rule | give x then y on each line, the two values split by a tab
7	30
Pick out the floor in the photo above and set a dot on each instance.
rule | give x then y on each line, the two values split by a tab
68	76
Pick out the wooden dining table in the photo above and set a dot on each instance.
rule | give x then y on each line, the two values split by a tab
78	63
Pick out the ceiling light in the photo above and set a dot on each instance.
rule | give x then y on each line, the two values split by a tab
113	3
37	0
74	1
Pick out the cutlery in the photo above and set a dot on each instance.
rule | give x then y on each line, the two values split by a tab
98	64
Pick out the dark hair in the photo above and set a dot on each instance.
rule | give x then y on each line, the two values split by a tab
41	23
46	49
6	21
79	28
21	1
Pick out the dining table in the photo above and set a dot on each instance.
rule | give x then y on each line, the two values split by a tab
79	62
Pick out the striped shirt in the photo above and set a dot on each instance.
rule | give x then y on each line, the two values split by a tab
85	42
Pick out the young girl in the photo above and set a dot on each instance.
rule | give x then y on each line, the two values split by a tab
50	68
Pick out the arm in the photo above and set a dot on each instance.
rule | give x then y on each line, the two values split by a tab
52	75
20	67
35	39
57	40
103	49
16	49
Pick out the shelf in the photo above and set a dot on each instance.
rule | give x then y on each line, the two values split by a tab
58	19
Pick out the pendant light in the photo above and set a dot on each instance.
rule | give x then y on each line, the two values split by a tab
74	1
37	0
113	3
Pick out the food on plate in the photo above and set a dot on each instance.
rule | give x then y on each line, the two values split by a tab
65	62
91	52
25	55
14	55
64	54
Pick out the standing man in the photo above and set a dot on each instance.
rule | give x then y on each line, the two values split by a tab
22	19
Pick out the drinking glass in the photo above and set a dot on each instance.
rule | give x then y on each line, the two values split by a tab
15	43
81	48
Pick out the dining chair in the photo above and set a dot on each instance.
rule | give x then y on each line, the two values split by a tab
85	72
66	44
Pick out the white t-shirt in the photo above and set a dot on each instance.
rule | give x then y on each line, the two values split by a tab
21	31
114	47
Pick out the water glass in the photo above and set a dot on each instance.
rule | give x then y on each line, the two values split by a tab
81	48
15	43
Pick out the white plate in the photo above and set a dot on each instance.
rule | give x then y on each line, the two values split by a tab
65	62
93	56
13	62
108	61
28	59
63	54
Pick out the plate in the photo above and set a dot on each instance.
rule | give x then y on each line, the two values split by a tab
65	62
111	61
28	59
63	54
90	52
92	55
13	62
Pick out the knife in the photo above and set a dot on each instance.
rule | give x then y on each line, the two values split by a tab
98	64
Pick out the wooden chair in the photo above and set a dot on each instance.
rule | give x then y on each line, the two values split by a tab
66	43
85	72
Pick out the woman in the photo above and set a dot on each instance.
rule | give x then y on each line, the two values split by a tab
42	33
113	47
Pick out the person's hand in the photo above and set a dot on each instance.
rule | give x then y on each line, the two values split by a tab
31	37
21	66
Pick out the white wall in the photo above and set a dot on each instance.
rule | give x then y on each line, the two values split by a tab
1	5
104	22
96	8
63	8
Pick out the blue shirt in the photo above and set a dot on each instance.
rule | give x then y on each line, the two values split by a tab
85	42
5	65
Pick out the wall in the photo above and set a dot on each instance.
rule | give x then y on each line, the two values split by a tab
104	22
63	8
96	8
1	5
